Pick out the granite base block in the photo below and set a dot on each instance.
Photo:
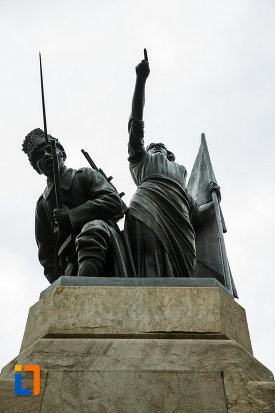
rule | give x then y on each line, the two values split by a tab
148	376
126	349
65	281
131	312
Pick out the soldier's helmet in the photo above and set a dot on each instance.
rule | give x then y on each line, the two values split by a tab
35	140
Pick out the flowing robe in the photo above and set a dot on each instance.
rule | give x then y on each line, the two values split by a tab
160	213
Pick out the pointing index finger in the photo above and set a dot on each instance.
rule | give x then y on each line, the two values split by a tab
145	55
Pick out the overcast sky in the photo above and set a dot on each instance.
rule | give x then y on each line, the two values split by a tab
212	70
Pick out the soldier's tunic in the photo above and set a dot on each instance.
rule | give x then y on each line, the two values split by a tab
93	206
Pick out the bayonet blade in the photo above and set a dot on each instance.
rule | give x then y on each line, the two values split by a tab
43	101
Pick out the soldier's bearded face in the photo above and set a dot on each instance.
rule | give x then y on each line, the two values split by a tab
44	160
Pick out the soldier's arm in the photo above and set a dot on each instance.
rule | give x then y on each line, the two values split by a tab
104	202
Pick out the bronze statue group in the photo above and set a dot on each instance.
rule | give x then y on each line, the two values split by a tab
79	235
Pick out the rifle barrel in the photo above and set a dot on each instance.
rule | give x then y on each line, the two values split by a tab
89	159
93	165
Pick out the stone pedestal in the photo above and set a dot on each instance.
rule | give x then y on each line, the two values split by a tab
139	350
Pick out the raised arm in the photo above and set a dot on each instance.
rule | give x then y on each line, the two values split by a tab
142	72
135	126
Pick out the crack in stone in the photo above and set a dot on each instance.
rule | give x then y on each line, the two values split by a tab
224	391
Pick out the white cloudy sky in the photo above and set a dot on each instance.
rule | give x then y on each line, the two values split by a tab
212	70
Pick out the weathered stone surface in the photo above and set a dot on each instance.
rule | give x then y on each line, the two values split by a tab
244	396
142	375
137	312
263	395
140	349
10	403
135	392
141	354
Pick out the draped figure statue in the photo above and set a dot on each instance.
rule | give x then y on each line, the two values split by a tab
161	216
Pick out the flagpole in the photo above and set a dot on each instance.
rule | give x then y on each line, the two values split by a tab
222	243
225	264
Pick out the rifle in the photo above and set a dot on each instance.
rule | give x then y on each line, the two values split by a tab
124	208
108	179
56	173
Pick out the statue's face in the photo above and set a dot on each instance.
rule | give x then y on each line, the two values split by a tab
44	161
157	148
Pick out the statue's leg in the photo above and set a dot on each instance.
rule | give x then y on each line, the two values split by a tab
92	246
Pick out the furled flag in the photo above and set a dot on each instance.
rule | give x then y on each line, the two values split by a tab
212	260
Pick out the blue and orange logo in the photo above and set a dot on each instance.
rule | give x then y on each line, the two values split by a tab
18	380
